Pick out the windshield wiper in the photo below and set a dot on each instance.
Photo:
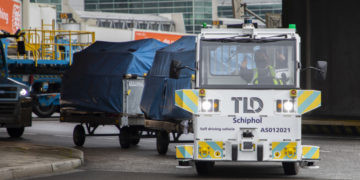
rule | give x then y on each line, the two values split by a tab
228	38
244	35
279	35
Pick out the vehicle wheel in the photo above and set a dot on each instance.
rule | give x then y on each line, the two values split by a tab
291	168
162	142
43	111
135	136
204	167
15	132
124	137
79	135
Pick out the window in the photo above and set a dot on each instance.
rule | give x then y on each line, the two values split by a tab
121	5
130	25
150	11
142	25
90	6
154	27
106	6
247	64
176	4
165	27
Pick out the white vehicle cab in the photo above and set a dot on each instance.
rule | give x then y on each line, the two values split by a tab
247	102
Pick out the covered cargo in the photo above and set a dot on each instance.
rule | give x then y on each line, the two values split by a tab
158	99
95	80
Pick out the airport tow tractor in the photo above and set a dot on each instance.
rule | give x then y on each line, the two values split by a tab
247	103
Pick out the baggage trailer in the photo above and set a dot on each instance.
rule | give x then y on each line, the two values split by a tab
158	98
104	87
130	123
247	103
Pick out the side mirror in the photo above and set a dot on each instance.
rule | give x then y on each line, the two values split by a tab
321	70
175	68
322	66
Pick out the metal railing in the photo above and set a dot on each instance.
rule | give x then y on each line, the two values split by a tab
50	44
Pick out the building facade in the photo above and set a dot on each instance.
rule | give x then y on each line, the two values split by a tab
57	3
260	7
195	12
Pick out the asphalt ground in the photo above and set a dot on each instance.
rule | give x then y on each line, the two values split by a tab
104	159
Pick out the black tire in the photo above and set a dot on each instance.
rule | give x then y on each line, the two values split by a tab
125	137
203	168
79	135
162	142
135	136
43	111
15	132
291	168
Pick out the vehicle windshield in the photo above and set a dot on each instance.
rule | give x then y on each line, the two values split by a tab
247	63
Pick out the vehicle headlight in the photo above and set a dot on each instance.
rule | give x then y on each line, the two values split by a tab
288	106
23	92
210	105
206	105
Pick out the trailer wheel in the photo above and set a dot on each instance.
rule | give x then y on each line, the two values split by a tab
125	137
43	111
204	167
162	142
15	132
135	136
79	135
291	168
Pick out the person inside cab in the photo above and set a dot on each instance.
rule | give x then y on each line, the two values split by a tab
264	73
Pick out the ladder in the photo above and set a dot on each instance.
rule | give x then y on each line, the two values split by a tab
48	40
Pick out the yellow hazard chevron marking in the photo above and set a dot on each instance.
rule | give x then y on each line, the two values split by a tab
310	152
187	99
184	152
308	100
210	150
179	102
192	96
284	150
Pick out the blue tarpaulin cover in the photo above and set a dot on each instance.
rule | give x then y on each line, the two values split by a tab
94	81
158	99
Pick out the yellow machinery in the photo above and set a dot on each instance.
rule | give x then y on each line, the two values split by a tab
45	54
50	44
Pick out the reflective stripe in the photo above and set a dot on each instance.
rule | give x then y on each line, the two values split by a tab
284	150
272	72
184	152
215	149
310	152
187	99
275	81
308	100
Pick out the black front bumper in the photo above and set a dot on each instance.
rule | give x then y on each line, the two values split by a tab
14	114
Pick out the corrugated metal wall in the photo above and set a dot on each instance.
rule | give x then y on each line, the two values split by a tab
330	31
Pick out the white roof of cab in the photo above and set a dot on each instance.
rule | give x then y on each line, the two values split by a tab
227	33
